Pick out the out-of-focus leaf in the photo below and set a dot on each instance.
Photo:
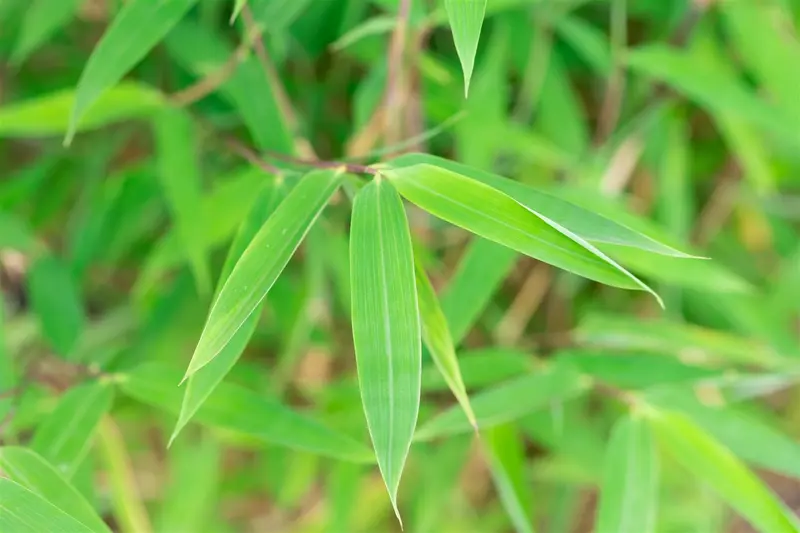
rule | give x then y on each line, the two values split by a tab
15	234
587	41
437	338
589	225
193	485
203	382
49	115
494	215
373	26
386	326
262	263
481	270
480	368
234	408
65	436
711	463
179	171
277	15
507	463
507	402
237	8
35	474
629	493
42	19
466	20
22	511
673	338
136	29
56	302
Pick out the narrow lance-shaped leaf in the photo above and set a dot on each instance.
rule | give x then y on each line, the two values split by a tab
498	217
42	19
205	380
386	328
466	21
35	474
262	263
715	465
507	463
237	8
179	172
629	493
437	338
22	511
138	27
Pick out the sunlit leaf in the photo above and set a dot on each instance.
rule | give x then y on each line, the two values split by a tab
507	463
437	338
629	493
22	511
262	263
466	20
386	326
35	474
136	29
56	302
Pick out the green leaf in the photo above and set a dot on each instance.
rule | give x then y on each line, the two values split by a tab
179	172
713	464
496	216
22	511
481	368
234	408
437	338
65	436
136	29
589	225
507	402
466	20
42	19
237	8
205	380
386	327
16	235
49	115
56	302
629	493
507	463
262	263
25	467
479	273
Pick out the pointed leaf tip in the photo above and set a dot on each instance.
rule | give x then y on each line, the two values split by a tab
466	21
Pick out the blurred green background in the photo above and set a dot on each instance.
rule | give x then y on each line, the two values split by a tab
677	118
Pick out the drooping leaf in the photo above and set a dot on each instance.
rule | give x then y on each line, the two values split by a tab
237	409
262	263
714	465
466	20
496	216
64	438
481	368
27	468
136	29
437	338
42	19
49	115
386	327
588	224
22	511
56	302
202	383
629	493
179	172
507	463
507	402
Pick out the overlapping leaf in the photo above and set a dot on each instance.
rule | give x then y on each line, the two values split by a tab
22	511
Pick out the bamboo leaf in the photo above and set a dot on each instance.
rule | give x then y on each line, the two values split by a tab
386	327
629	493
507	402
437	338
22	511
262	263
713	464
496	216
138	27
42	19
237	8
179	171
507	463
466	20
31	471
65	436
